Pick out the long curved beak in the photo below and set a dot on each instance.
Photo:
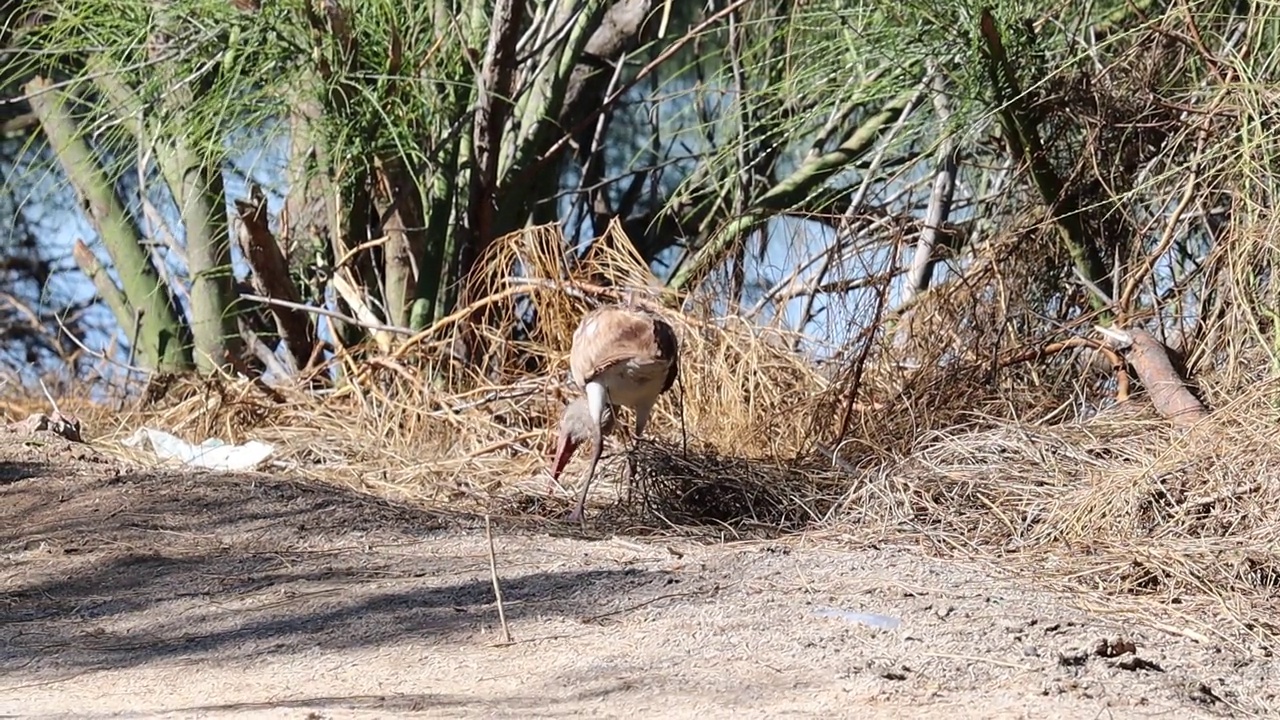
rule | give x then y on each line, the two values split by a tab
564	450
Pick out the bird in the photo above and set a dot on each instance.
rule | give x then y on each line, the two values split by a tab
621	356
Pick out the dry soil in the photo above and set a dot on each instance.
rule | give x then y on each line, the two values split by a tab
128	592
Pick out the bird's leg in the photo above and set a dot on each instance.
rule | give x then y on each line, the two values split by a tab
629	469
642	417
642	421
628	477
579	512
597	398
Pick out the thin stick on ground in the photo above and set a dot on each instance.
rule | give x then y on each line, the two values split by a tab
497	588
47	396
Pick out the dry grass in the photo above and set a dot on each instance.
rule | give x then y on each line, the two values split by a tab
1124	506
1119	505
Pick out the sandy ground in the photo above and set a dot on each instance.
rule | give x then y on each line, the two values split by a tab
136	594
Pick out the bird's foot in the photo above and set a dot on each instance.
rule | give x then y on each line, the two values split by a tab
576	516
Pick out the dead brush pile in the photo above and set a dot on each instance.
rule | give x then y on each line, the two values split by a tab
1121	505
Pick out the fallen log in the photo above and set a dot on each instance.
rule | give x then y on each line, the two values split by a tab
1150	360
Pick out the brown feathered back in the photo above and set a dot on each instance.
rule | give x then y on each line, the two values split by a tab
628	350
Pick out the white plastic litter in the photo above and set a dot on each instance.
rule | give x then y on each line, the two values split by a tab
213	454
883	622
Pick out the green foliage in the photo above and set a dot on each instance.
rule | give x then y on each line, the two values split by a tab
829	110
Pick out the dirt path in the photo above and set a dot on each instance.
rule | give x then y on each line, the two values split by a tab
135	594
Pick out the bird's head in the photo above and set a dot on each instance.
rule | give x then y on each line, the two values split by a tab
577	427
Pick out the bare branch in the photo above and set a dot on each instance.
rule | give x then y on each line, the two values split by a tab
940	202
106	287
270	277
493	91
328	313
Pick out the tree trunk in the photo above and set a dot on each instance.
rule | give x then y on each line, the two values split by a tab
406	239
195	181
161	340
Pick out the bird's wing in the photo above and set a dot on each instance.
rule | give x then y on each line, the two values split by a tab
611	336
668	347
